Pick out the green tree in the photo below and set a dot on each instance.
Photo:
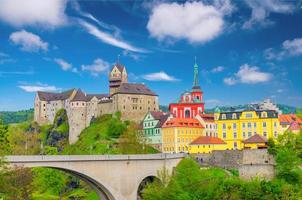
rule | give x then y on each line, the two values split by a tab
4	143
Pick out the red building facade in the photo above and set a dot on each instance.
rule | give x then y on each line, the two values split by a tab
190	103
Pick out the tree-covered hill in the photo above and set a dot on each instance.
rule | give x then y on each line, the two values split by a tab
11	117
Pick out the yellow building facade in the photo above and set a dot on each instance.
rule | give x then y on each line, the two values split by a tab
206	144
178	133
237	126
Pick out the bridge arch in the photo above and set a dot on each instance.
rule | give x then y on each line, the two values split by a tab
100	189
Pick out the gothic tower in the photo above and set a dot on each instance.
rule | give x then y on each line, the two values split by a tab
117	76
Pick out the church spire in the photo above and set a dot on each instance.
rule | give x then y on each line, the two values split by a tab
196	79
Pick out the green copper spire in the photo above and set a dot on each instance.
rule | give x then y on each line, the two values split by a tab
196	80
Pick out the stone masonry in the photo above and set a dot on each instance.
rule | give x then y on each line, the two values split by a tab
133	100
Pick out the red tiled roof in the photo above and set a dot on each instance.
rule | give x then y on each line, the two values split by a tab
255	139
183	122
207	140
289	118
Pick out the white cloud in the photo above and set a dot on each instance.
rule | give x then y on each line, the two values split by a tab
98	66
248	75
108	38
289	48
64	65
39	87
261	10
159	76
218	69
193	21
28	41
229	81
293	47
46	13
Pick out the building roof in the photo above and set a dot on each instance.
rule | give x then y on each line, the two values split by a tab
79	96
134	88
207	117
287	119
51	96
294	126
183	122
255	139
207	140
162	120
119	66
229	114
98	96
156	114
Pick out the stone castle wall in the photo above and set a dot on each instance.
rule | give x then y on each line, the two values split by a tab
250	163
133	106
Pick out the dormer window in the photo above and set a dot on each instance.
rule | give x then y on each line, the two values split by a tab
264	115
223	116
234	116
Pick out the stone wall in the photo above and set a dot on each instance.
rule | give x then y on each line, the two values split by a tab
250	163
261	171
133	106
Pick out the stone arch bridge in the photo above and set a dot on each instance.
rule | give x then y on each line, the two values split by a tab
114	177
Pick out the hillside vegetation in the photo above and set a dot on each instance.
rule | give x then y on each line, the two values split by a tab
10	117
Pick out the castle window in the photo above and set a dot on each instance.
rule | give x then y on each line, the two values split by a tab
249	134
223	126
224	135
249	125
235	135
124	107
264	124
243	134
255	125
223	116
275	134
243	125
77	104
149	108
264	134
234	116
264	115
83	104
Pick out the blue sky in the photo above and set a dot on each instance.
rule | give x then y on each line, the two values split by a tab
246	50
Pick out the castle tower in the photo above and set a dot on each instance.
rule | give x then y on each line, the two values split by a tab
117	76
196	90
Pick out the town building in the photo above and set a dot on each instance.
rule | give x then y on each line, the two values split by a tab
207	120
206	144
255	142
133	100
190	103
152	128
178	133
290	122
236	126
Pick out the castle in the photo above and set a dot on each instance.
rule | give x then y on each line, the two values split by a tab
133	100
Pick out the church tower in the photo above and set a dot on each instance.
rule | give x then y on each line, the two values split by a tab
117	76
196	89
